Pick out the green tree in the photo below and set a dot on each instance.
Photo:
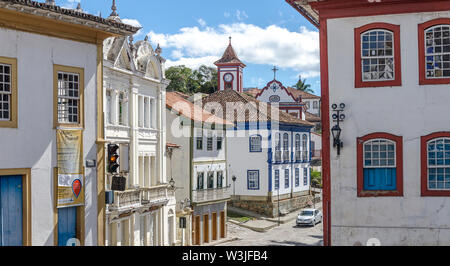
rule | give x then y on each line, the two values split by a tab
190	81
303	86
179	77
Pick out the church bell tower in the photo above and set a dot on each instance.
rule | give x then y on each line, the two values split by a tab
230	71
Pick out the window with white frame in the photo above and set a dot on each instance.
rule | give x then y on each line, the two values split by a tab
278	147
286	178
108	107
5	92
200	181
297	177
68	98
315	104
199	140
305	147
285	147
255	143
219	179
298	156
209	142
219	143
305	176
146	112
438	164
437	51
121	109
277	179
379	164
210	180
377	55
253	179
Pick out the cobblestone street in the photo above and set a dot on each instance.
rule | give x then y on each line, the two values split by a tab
285	235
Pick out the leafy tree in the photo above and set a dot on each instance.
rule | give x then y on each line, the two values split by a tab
180	78
316	179
190	81
301	85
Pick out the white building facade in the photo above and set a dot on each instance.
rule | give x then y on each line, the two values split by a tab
390	66
49	83
199	169
134	93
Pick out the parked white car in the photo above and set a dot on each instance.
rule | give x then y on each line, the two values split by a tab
309	217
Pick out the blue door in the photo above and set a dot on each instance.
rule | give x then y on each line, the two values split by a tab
11	215
67	225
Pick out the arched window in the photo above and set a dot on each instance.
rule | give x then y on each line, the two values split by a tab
285	147
377	55
255	143
305	147
434	52
436	164
298	156
380	169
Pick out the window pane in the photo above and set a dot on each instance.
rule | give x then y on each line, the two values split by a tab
377	55
437	52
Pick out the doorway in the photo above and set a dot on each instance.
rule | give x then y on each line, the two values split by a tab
11	215
206	228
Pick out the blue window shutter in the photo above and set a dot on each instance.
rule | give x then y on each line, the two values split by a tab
380	179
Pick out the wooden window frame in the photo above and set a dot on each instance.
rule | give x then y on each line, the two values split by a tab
398	140
425	192
421	36
74	70
13	115
397	81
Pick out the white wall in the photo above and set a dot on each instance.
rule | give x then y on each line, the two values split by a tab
410	111
33	144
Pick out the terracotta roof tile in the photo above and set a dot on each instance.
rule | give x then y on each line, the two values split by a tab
229	57
184	107
73	13
251	110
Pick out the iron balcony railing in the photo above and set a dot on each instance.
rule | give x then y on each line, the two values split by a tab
213	194
139	197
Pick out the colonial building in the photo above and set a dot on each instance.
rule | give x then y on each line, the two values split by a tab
388	63
198	166
268	150
52	153
134	93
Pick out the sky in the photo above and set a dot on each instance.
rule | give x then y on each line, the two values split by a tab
265	33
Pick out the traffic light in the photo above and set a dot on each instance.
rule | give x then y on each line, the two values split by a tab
113	158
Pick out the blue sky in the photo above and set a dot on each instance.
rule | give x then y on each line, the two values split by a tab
264	33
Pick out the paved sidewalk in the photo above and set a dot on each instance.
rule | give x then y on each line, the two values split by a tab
263	223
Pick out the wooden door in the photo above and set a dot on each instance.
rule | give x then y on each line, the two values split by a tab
197	231
11	211
222	225
67	225
206	228
214	226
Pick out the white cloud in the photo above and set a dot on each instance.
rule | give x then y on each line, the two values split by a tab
133	22
226	14
241	15
273	45
201	22
70	4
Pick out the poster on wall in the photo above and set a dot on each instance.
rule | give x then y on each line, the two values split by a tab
70	191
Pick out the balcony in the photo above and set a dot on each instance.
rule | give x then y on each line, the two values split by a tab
199	196
139	198
286	156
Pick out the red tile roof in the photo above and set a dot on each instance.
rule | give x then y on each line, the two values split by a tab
252	110
229	57
297	93
176	102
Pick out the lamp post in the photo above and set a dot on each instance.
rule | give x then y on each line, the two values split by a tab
336	130
234	185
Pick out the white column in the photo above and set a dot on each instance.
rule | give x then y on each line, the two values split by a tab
134	140
136	229
114	106
147	180
141	171
141	111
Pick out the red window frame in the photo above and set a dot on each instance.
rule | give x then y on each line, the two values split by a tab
395	29
425	192
360	165
422	27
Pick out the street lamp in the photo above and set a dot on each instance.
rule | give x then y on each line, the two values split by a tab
234	185
336	130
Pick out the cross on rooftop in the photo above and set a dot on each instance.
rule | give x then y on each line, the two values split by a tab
274	69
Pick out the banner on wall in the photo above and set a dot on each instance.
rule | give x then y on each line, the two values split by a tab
70	191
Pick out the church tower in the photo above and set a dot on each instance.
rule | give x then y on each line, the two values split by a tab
230	71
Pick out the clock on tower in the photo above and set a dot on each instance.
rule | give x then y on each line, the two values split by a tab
230	71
